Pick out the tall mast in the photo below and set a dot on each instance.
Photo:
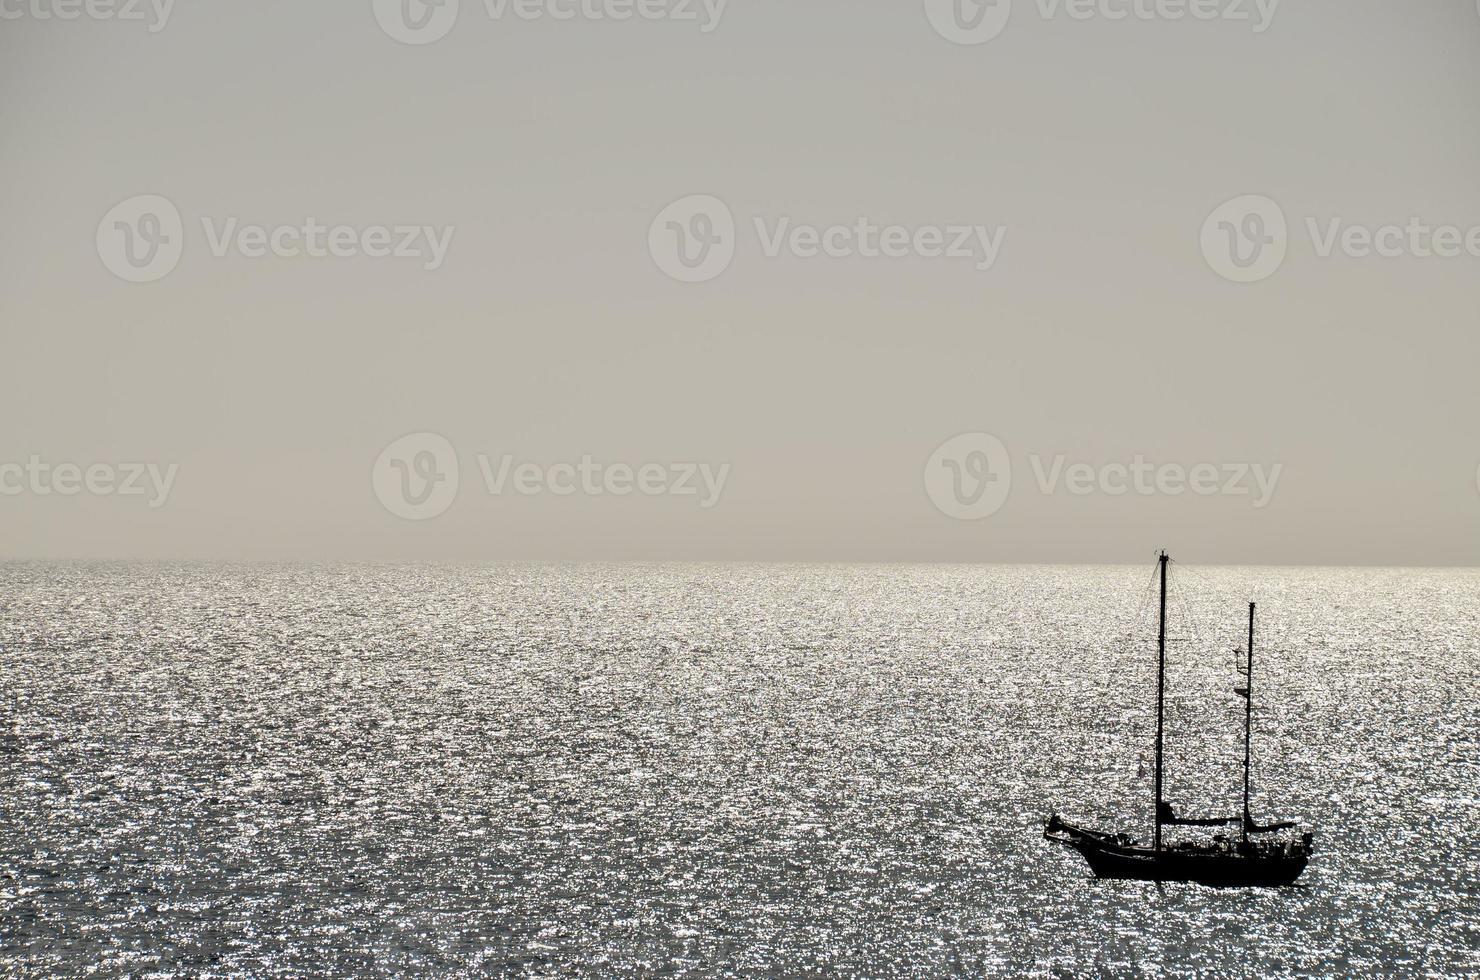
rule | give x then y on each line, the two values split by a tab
1161	683
1248	717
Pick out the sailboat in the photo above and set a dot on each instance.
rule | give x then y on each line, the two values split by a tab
1253	859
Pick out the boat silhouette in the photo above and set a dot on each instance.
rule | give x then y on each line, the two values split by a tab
1249	860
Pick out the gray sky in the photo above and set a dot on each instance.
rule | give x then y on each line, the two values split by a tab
815	389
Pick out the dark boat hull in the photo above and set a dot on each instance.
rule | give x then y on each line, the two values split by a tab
1228	864
1231	870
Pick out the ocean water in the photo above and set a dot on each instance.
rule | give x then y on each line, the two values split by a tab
719	769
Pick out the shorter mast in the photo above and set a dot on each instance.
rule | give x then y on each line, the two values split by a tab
1161	681
1248	693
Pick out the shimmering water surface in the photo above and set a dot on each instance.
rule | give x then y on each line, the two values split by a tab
276	770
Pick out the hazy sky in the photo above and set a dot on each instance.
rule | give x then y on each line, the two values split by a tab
1081	157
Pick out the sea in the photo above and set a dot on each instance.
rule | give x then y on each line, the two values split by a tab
721	769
